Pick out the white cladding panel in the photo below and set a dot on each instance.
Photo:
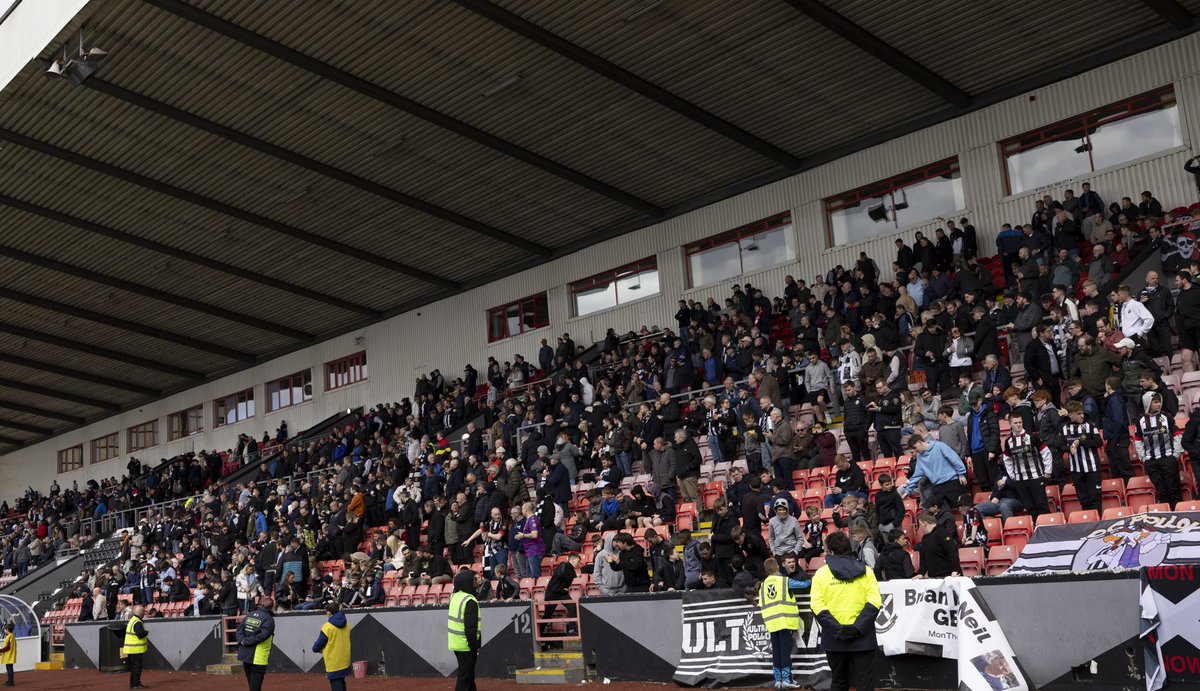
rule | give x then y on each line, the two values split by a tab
453	332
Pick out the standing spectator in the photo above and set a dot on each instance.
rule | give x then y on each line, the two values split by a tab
846	600
781	617
785	534
1083	440
529	537
687	466
1027	464
938	547
938	465
1159	445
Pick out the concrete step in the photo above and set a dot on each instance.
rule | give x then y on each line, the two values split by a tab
48	666
558	659
58	657
550	676
230	659
224	669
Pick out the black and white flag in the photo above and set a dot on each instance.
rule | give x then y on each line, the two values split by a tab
1145	539
724	641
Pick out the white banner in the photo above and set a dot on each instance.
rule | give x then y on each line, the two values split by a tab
947	618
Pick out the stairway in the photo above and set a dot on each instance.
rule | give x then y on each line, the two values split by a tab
228	666
563	665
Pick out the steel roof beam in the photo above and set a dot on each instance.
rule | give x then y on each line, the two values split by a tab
223	208
575	53
222	267
61	395
152	293
11	442
1172	12
283	154
77	374
116	355
126	325
22	427
49	414
882	51
310	64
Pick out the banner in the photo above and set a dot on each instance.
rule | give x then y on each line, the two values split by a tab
1146	539
948	618
724	640
1170	624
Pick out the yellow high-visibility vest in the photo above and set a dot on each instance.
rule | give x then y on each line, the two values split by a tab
778	605
456	627
133	644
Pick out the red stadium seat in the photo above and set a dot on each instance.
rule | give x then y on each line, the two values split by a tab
1116	512
1188	506
994	530
1000	558
1112	493
1051	519
971	561
1139	492
1017	531
1083	517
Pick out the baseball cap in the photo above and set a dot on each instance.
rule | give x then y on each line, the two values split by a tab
1126	343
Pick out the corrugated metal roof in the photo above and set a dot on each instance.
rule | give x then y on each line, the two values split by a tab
995	42
760	65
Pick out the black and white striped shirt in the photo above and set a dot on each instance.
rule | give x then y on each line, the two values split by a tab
1025	458
1084	458
1155	438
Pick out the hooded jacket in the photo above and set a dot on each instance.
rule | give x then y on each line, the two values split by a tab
845	601
333	643
608	580
464	581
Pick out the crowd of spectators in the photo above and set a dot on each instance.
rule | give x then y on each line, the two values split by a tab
907	358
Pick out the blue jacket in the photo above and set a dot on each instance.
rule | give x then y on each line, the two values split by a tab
558	483
338	624
937	465
1116	420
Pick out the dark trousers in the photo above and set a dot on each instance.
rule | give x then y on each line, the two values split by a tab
781	649
1087	487
255	674
1118	459
338	684
466	670
783	472
852	669
986	472
1164	473
945	493
937	377
860	449
135	670
8	669
551	607
889	442
1032	494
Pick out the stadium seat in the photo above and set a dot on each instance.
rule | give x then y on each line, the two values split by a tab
1000	558
1053	498
1055	518
1112	493
1116	512
1158	508
971	561
1017	531
995	531
1139	492
1188	506
1069	502
1083	517
813	564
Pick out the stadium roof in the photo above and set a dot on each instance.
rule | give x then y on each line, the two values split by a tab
237	179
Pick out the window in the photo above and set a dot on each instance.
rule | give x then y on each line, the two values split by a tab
616	287
518	317
106	447
754	247
291	390
233	408
346	371
904	200
70	459
1104	137
142	436
185	423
